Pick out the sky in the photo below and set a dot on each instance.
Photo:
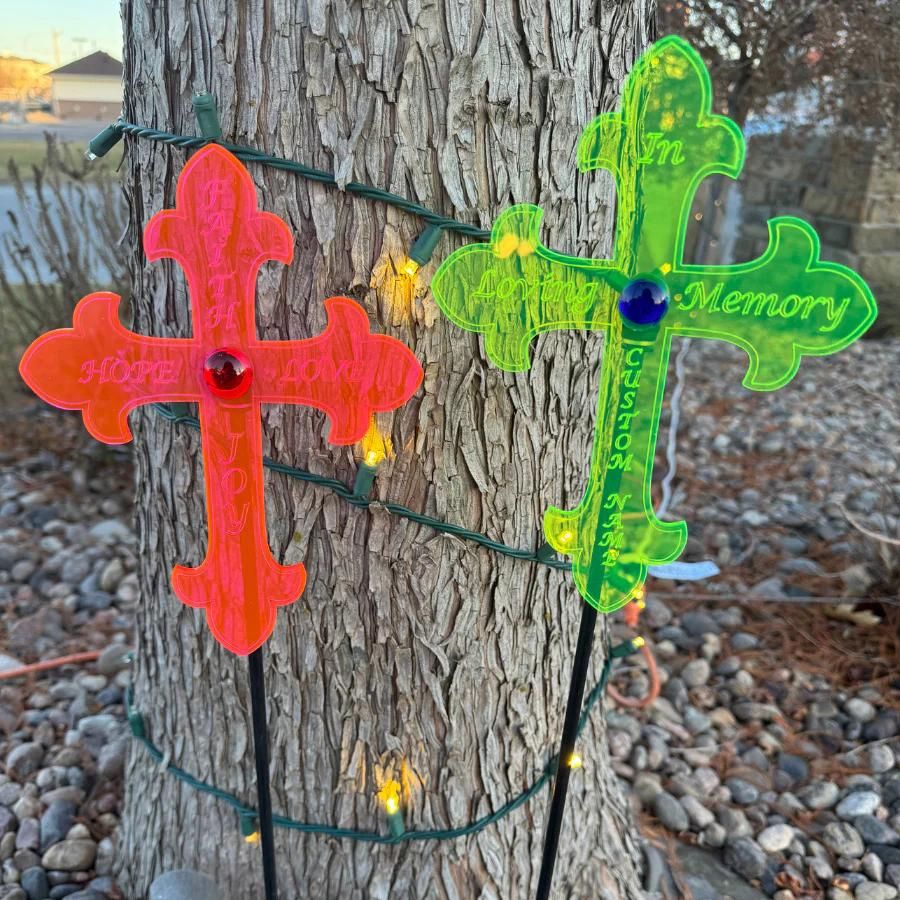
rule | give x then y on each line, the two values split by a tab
83	26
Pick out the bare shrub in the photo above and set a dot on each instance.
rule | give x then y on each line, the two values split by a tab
62	243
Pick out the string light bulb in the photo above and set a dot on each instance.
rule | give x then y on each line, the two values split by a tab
507	245
546	552
526	248
249	829
374	445
374	450
575	761
389	795
421	250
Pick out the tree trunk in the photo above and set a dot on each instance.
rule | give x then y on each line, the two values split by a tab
412	655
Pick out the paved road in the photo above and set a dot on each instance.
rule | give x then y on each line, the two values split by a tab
76	131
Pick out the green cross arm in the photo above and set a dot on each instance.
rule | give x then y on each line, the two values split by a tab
513	288
779	308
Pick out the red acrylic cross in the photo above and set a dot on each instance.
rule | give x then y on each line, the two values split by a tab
220	239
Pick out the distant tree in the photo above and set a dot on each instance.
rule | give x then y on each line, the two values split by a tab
764	51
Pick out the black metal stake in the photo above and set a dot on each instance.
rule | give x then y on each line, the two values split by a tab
261	752
567	748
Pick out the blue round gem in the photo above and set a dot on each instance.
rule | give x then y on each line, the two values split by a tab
643	302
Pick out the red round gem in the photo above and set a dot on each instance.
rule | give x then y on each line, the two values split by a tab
227	373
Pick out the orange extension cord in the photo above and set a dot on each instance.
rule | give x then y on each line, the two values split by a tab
632	616
50	664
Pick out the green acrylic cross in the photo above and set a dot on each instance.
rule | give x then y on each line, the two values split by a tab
785	305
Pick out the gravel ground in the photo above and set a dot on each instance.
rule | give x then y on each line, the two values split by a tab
773	745
67	585
774	741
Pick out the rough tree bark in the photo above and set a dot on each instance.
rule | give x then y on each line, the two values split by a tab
411	655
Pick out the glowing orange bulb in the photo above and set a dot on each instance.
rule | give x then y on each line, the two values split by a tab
525	248
389	795
507	245
409	267
252	838
374	446
638	598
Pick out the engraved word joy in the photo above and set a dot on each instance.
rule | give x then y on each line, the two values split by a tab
778	308
220	239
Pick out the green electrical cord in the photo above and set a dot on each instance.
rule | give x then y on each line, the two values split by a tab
249	154
421	249
248	815
395	509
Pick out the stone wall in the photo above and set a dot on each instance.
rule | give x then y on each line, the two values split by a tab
847	187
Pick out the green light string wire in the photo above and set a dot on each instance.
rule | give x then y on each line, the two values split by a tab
104	141
249	154
403	512
248	815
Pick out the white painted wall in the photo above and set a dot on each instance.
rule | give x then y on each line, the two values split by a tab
86	88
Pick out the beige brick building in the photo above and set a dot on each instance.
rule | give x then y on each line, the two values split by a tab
847	185
88	88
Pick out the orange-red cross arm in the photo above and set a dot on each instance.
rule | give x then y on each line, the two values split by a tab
347	372
104	370
221	239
